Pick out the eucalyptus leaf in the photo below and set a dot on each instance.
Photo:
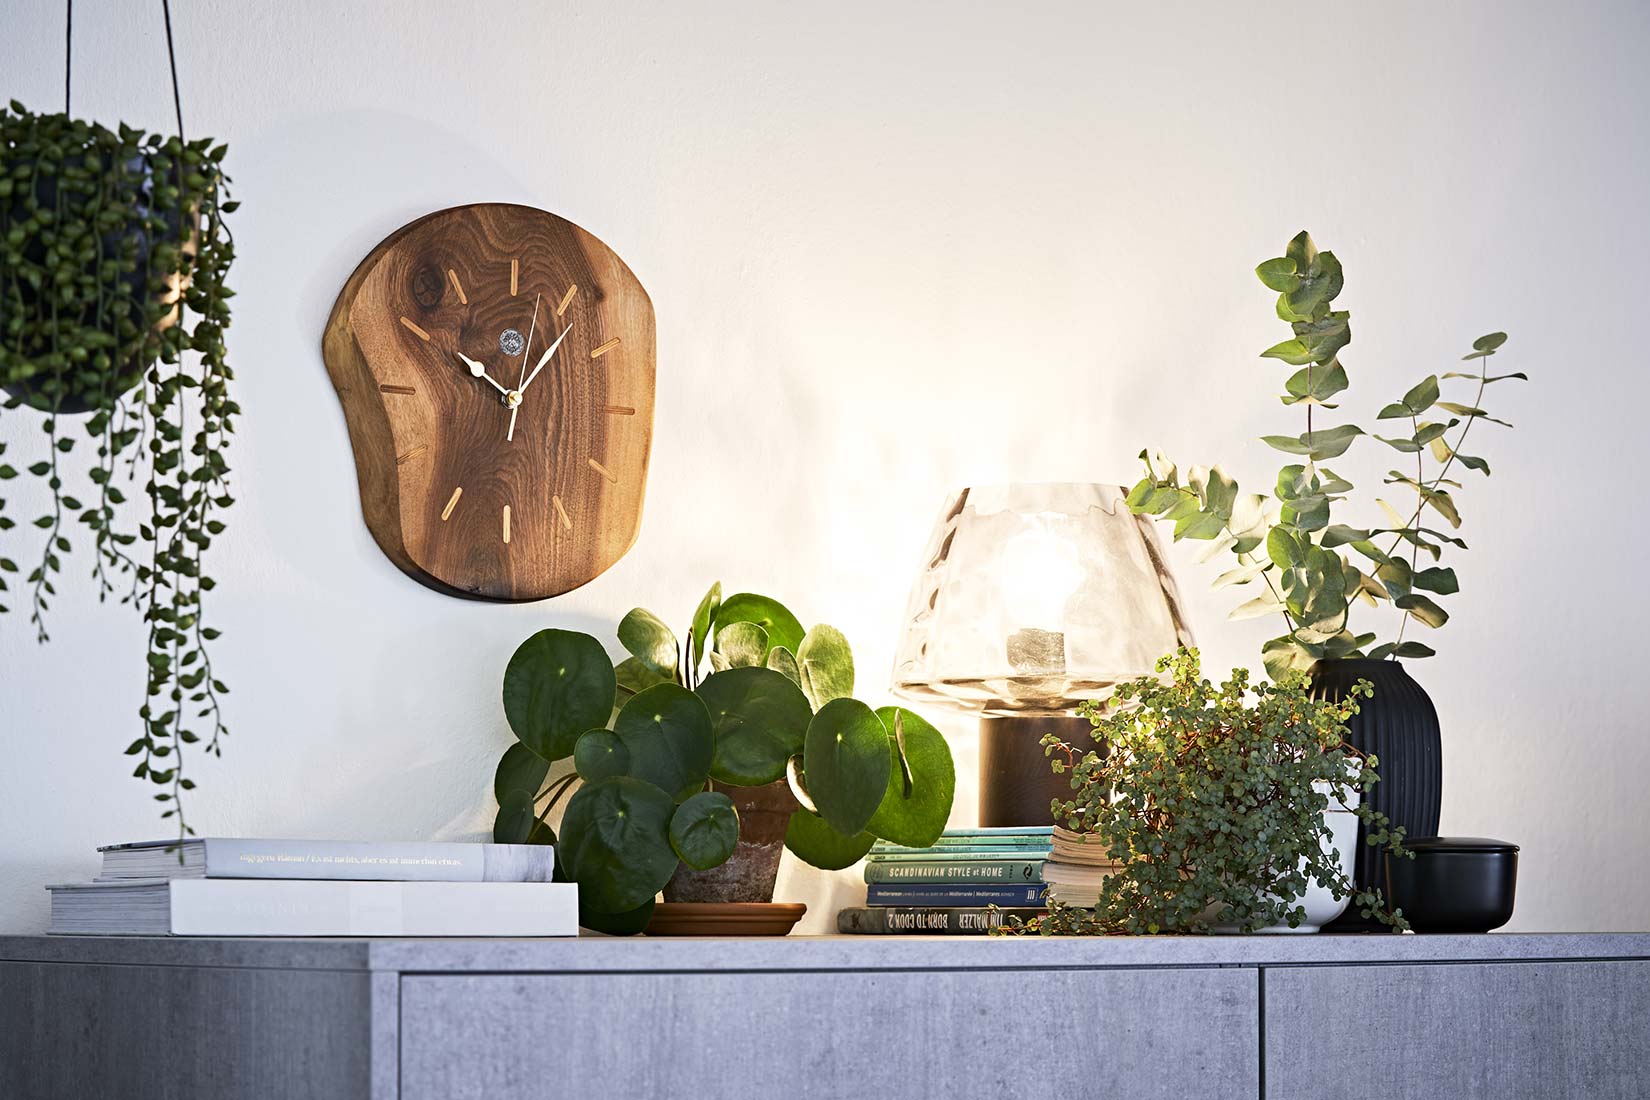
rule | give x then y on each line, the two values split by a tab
558	684
1279	274
705	830
814	842
615	842
847	759
1438	579
1243	574
1255	608
1423	609
760	718
667	732
1315	384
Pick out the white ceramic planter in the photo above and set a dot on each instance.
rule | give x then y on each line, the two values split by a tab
1319	903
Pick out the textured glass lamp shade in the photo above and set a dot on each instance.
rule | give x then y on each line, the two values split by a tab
1034	598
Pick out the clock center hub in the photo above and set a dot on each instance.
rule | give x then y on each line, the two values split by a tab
511	399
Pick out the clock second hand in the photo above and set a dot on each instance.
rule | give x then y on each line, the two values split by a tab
510	435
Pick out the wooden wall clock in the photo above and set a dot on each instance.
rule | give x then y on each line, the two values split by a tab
495	364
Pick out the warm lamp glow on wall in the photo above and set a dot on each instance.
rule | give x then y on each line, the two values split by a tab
1032	600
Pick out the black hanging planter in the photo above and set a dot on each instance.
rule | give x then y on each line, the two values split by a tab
1400	727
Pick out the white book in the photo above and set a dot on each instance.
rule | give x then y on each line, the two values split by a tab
249	907
259	857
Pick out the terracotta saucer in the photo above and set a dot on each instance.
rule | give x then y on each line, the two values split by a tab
748	918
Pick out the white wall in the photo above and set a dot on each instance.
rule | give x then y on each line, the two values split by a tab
894	249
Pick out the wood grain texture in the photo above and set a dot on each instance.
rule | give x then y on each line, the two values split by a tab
824	1036
1508	1031
452	282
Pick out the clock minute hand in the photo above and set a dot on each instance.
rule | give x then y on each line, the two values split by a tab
480	371
549	352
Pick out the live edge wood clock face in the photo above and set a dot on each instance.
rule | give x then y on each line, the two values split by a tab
495	365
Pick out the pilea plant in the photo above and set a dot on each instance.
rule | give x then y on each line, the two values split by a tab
114	258
650	739
1288	542
1212	801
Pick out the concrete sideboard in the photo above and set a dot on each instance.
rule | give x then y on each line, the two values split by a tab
1280	1017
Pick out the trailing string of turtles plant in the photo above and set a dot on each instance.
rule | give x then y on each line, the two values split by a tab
1212	803
114	261
1286	540
694	784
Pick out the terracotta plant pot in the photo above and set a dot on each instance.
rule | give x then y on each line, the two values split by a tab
749	874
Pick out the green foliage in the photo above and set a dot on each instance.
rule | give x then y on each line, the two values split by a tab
1286	539
114	258
1212	800
644	808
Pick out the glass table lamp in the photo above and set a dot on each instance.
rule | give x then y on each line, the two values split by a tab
1033	599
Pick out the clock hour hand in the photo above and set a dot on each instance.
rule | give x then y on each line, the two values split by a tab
549	352
479	371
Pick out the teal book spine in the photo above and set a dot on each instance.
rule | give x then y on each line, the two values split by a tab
965	870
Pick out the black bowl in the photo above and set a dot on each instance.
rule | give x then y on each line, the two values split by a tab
1454	884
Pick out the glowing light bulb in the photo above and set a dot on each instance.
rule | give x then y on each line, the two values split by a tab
1039	574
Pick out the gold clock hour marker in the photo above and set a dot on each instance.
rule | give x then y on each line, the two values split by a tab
415	330
458	286
561	306
566	520
387	388
515	271
618	410
402	460
452	502
603	470
598	352
506	523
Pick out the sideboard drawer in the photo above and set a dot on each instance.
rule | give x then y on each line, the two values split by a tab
1507	1031
812	1034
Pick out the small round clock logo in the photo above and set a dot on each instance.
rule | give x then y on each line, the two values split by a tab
511	343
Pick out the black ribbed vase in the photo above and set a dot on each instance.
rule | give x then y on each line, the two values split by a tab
1400	727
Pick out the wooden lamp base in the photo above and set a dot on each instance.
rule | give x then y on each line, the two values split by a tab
1016	782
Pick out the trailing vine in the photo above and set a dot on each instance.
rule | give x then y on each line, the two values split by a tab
114	260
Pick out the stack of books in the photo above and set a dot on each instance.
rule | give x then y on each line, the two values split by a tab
235	886
1077	865
969	882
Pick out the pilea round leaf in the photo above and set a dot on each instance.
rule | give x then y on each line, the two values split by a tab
520	768
771	615
645	636
632	922
600	754
826	665
514	823
783	661
811	840
704	830
847	757
742	645
704	618
615	843
558	684
760	718
667	731
917	819
633	676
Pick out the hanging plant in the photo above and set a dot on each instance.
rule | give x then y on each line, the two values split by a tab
113	304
